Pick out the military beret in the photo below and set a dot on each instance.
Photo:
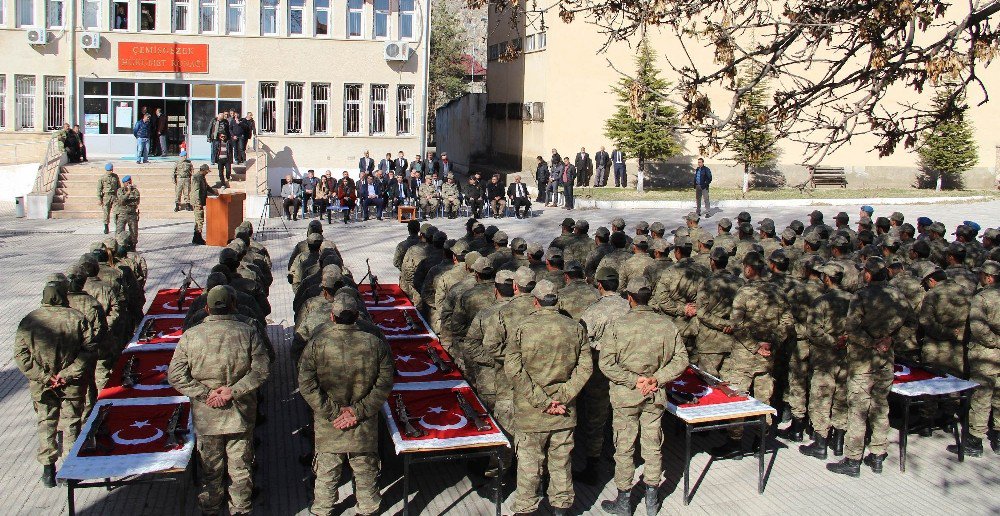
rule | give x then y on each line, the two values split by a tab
483	265
897	216
572	266
938	228
868	209
500	237
603	233
718	253
816	215
582	225
992	234
554	253
659	245
544	289
746	228
109	167
568	222
219	297
450	243
618	222
534	249
874	265
797	226
126	179
692	216
606	274
459	248
883	223
725	224
503	276
923	269
842	216
754	259
788	234
657	228
642	225
332	275
779	258
924	221
524	276
972	225
743	217
832	269
813	238
518	244
471	257
344	303
706	238
641	241
439	238
315	226
636	284
990	268
683	242
865	223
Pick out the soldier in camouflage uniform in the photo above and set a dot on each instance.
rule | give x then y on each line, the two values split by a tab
200	190
345	376
428	198
481	367
937	243
414	255
126	211
111	305
107	192
553	268
957	270
662	259
723	235
435	255
182	182
472	301
618	226
714	304
547	364
816	223
50	348
565	235
99	342
875	318
518	258
635	265
447	303
450	197
638	364
602	248
412	239
965	234
622	252
501	254
219	364
577	294
579	245
428	292
444	283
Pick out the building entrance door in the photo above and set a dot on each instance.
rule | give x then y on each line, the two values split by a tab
177	126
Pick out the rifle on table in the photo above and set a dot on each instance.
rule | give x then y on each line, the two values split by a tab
182	293
148	331
97	430
129	375
438	361
716	383
471	413
404	417
913	363
681	398
372	282
175	433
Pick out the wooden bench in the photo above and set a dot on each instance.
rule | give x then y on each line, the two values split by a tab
828	176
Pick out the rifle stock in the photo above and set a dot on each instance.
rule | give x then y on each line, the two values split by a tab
471	413
97	430
438	362
404	417
175	434
129	375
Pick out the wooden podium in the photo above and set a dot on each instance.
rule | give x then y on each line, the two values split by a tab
222	215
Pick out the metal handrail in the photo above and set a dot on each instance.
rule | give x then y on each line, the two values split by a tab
48	170
260	164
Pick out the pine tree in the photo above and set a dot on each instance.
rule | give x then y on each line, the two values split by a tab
752	142
447	75
948	149
643	124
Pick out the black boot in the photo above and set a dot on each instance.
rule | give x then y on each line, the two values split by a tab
875	461
619	506
49	475
732	449
105	229
794	430
588	475
849	467
995	442
971	447
815	449
837	444
177	206
652	501
197	239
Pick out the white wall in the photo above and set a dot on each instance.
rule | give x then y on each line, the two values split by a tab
17	180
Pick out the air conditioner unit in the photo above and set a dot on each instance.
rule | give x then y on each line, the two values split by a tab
38	36
396	51
90	40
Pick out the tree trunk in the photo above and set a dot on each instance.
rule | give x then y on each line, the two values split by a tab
937	185
746	179
640	175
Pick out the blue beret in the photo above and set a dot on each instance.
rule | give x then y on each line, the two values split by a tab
868	209
184	153
109	167
924	221
126	179
975	226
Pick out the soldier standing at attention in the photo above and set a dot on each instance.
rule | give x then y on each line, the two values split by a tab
127	211
638	364
200	190
547	365
345	376
219	364
107	191
713	307
412	238
49	348
182	182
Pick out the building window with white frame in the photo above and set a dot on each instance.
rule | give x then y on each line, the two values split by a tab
379	100
404	109
268	108
407	15
182	11
296	10
269	17
147	15
24	102
321	17
91	15
25	13
540	41
54	14
352	109
293	107
55	103
355	10
381	27
236	12
3	14
208	16
320	108
119	20
3	101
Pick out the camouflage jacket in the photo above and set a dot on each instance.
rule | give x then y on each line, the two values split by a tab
715	305
50	341
96	340
487	371
630	349
945	312
401	248
182	170
877	311
576	296
634	267
107	187
761	314
594	257
200	190
677	286
127	200
825	326
984	318
471	302
600	314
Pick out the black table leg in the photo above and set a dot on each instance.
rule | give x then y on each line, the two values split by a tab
961	425
760	455
406	484
904	433
70	501
687	462
498	481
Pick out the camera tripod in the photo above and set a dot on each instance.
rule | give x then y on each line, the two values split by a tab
266	211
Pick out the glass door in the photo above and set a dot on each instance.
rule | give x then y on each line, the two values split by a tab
122	121
202	114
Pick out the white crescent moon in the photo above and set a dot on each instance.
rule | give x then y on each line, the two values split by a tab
903	371
170	305
133	442
155	387
431	369
381	299
705	391
395	329
461	422
165	335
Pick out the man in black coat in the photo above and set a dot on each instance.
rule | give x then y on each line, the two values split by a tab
370	193
401	165
473	197
601	160
568	178
517	192
541	177
366	164
398	192
584	168
702	180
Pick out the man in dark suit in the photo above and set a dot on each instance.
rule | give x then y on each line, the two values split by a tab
370	194
401	164
445	167
702	180
398	192
568	178
412	184
431	165
584	168
517	192
387	164
618	162
601	161
366	164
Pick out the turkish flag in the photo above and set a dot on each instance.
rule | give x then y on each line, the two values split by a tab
389	295
436	412
397	323
690	383
165	301
163	331
149	370
133	429
908	373
414	364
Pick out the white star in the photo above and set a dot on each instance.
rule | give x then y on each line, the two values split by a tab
140	424
436	410
680	383
390	319
161	368
404	358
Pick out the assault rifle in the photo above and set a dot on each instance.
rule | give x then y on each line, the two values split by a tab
404	417
97	430
716	383
916	364
148	331
175	433
129	375
471	413
433	355
681	398
372	282
182	294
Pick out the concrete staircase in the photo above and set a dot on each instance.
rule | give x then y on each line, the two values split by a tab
76	191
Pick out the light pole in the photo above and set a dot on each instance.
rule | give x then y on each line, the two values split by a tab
427	77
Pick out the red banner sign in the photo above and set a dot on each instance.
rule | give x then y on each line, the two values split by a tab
162	57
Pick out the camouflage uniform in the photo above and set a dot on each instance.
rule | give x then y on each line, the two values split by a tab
595	397
107	192
576	296
222	352
943	317
182	181
594	257
401	248
634	267
450	195
428	198
200	191
471	302
429	291
127	213
800	295
449	304
828	386
578	247
485	369
715	304
497	334
99	342
984	357
443	284
414	255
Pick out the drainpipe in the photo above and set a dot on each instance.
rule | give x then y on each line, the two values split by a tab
427	78
71	76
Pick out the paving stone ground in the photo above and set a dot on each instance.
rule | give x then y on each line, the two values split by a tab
935	482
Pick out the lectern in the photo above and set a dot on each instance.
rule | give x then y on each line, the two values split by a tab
222	215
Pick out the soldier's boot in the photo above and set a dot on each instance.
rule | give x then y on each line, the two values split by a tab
875	461
652	501
995	442
817	448
177	206
619	506
971	447
197	239
106	229
49	475
588	475
849	467
794	430
837	444
732	449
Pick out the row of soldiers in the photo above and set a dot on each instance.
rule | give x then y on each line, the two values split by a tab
67	346
812	320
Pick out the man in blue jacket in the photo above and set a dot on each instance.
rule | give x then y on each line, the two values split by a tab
702	180
141	132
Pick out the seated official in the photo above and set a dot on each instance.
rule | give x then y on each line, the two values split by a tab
347	196
291	194
517	192
473	194
370	193
495	196
398	193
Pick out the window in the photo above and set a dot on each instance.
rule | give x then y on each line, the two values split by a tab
493	52
54	14
295	11
540	41
293	107
529	43
236	11
91	14
55	103
121	15
406	16
24	102
182	8
207	15
268	107
147	15
404	109
352	109
3	13
320	108
381	19
3	101
380	94
322	17
25	11
354	8
269	17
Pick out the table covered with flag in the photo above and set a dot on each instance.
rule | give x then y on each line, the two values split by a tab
709	403
389	296
911	379
166	301
158	332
